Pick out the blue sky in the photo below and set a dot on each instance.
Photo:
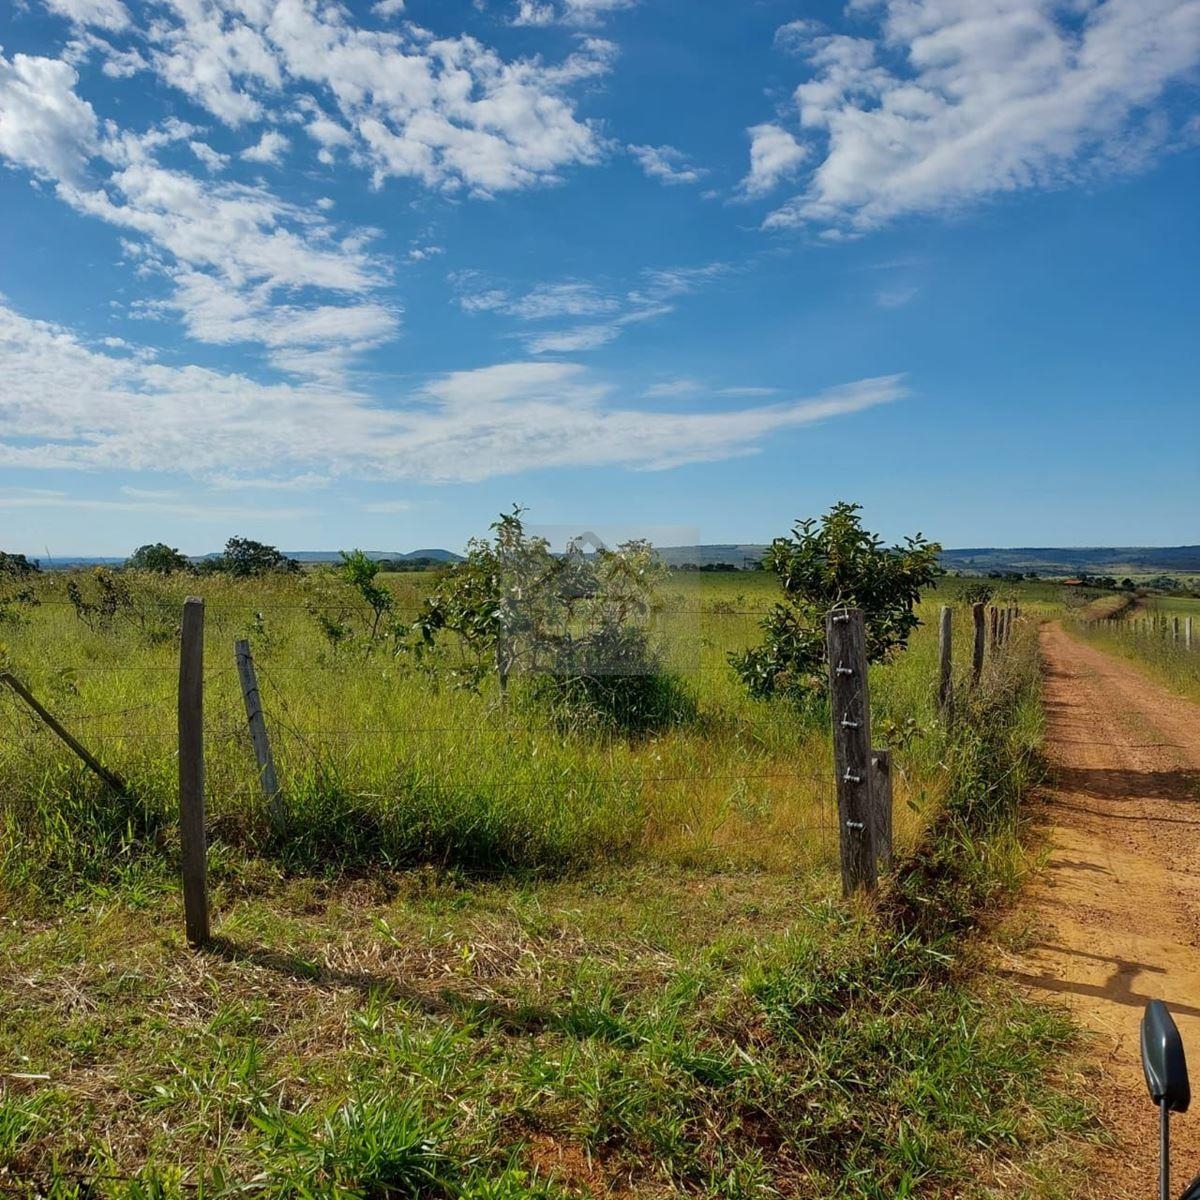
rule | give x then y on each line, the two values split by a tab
333	275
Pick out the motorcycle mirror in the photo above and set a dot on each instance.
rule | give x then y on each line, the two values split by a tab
1163	1060
1192	1191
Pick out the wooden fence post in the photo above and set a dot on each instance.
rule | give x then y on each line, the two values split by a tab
850	708
881	806
191	773
1187	633
977	653
258	731
946	664
113	780
994	633
1174	629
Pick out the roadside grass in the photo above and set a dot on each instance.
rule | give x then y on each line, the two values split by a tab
678	1015
1155	652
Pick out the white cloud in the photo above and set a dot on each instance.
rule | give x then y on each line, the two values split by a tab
448	112
65	406
214	160
672	387
612	310
952	101
566	12
388	8
242	264
775	155
103	14
795	35
44	126
573	340
666	164
269	148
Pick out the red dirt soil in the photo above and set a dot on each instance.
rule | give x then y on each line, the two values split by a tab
1117	908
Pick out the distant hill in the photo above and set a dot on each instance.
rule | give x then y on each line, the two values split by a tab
1045	560
1107	560
320	556
737	555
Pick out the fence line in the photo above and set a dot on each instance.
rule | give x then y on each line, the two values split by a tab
854	797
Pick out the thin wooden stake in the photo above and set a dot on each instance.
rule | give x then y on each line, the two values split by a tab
1187	633
850	707
191	773
946	664
994	639
977	654
881	806
114	781
258	730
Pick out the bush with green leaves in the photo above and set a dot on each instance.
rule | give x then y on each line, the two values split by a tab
824	565
16	585
159	559
244	558
577	623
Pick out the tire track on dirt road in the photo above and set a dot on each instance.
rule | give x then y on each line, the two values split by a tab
1117	908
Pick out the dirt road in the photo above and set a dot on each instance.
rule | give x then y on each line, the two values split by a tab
1117	909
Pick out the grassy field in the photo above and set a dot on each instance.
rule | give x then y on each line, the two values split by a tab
488	954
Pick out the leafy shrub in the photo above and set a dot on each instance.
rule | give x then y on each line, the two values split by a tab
827	564
244	558
159	559
577	623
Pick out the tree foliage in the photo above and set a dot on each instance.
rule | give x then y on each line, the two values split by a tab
158	558
17	588
17	566
824	565
577	622
244	558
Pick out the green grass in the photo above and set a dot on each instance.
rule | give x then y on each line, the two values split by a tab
1153	649
382	762
428	987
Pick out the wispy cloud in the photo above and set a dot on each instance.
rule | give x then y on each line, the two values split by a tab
600	313
947	102
896	297
66	406
566	12
667	164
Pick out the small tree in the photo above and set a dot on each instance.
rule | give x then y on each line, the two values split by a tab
158	558
244	558
16	585
17	566
828	564
359	571
577	622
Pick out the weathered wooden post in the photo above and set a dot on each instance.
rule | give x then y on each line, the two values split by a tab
1175	629
946	664
977	651
1187	633
994	634
850	709
113	780
881	806
191	773
258	730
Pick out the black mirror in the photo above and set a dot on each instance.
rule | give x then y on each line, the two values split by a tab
1192	1191
1163	1060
